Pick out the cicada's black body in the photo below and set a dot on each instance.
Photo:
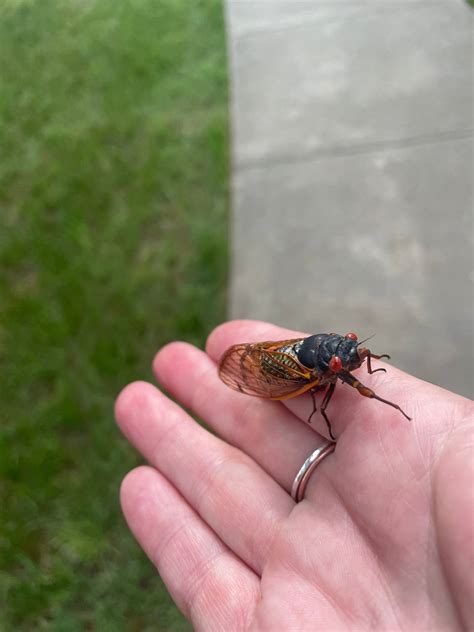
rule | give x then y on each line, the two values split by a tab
315	352
287	368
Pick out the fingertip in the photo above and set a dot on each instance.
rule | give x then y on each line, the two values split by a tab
130	399
139	495
134	483
169	357
219	337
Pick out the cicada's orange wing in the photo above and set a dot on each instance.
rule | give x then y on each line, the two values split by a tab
265	369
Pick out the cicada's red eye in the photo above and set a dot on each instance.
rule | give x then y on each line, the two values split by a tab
351	335
335	364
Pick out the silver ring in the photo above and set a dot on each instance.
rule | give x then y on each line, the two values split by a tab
301	480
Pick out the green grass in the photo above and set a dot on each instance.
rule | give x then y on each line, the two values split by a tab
113	202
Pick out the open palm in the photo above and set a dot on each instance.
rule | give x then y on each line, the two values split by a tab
384	538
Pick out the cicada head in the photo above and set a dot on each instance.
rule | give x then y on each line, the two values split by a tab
349	354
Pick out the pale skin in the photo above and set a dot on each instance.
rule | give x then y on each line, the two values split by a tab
383	540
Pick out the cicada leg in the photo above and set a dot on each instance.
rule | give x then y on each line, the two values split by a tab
367	392
377	357
324	404
313	393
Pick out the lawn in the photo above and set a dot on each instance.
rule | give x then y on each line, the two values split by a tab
114	204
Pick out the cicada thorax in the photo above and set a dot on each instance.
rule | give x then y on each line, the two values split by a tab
320	350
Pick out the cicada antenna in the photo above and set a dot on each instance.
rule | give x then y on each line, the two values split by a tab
365	340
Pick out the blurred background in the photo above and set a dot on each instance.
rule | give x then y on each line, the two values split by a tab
114	210
353	174
351	180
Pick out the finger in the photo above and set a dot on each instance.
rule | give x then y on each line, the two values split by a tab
453	495
265	430
346	406
240	502
212	588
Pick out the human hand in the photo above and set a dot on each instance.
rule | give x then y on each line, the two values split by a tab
384	538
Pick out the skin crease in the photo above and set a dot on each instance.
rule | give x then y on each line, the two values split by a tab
383	540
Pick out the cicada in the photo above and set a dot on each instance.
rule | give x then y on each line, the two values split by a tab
288	368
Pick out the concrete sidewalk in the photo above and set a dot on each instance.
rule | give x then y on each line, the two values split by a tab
352	174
